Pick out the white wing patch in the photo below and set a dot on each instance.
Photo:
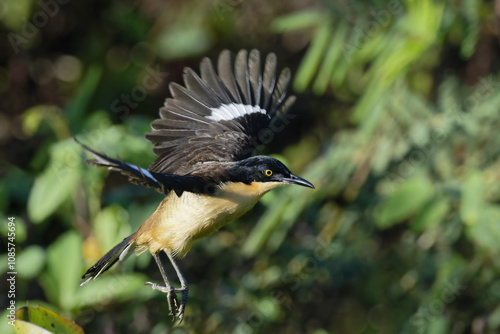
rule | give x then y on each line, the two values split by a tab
144	171
231	111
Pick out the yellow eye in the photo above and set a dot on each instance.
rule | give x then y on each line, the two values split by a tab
269	172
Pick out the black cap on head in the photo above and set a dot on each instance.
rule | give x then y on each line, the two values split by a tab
262	168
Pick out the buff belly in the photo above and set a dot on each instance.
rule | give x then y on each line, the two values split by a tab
179	221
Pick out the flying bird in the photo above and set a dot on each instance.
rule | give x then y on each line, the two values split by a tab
204	140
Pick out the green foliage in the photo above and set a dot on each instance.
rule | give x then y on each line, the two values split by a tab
39	320
396	124
60	280
408	199
55	185
31	262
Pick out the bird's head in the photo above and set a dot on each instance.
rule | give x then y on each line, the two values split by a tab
263	169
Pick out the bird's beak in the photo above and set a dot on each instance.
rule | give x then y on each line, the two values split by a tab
294	179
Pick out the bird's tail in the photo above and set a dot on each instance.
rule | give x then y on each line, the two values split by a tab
119	253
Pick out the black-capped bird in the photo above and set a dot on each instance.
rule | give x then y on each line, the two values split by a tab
204	140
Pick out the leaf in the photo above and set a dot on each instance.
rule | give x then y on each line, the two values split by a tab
264	227
30	261
24	327
448	284
64	268
15	10
405	202
439	325
113	286
55	185
110	226
298	20
494	318
189	40
312	60
32	119
431	215
332	56
21	229
485	232
472	202
31	320
471	10
77	107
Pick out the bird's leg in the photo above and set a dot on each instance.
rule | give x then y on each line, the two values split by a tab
184	290
168	289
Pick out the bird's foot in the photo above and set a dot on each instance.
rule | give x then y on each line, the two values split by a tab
180	310
173	303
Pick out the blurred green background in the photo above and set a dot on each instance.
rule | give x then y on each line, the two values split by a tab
396	123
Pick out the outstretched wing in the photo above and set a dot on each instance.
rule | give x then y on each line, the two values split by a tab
161	182
218	117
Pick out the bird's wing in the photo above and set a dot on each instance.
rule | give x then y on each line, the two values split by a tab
163	183
219	117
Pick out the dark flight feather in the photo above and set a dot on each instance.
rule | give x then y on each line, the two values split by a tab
218	116
241	73
254	74
226	74
161	182
213	81
269	79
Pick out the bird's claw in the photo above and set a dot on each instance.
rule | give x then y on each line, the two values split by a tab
180	314
156	286
173	303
